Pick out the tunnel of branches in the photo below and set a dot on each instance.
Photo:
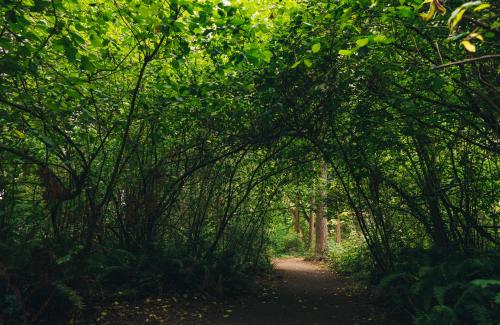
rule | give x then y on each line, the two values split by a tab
176	134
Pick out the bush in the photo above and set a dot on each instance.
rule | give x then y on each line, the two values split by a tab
286	242
351	257
39	287
457	290
35	287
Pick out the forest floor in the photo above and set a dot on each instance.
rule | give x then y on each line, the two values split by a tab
302	292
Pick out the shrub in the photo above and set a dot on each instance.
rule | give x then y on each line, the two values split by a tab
457	290
351	257
289	243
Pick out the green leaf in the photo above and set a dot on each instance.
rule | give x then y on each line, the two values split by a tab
256	54
362	42
308	63
77	38
19	134
345	52
405	12
267	55
178	26
48	141
316	48
383	39
70	51
296	64
86	64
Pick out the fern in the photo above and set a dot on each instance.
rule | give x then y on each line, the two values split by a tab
71	295
440	314
447	294
396	279
122	257
421	292
473	305
425	270
446	289
479	314
483	283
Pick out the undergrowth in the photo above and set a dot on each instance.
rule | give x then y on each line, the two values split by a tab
428	286
352	258
40	285
443	287
285	242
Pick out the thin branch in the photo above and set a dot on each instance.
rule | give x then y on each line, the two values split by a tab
484	57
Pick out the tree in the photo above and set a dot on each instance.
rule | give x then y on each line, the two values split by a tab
312	223
321	221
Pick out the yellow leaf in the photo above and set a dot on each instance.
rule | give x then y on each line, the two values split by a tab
432	10
434	5
440	6
482	6
455	18
20	134
468	46
476	35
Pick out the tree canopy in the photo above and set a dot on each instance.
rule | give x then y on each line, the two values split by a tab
182	133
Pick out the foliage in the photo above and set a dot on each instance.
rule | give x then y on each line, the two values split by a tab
446	287
285	242
147	142
352	257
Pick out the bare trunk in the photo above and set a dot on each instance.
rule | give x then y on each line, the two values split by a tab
296	215
311	224
321	222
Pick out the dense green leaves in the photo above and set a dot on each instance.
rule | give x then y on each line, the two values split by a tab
132	125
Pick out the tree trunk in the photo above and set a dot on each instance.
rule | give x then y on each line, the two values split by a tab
296	215
431	191
321	222
311	224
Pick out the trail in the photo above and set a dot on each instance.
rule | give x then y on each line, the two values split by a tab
304	293
307	294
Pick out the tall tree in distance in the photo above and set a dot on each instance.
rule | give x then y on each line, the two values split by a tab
321	222
310	243
296	215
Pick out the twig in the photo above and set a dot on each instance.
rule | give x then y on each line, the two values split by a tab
484	57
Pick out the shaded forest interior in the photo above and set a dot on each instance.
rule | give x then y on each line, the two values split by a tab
149	147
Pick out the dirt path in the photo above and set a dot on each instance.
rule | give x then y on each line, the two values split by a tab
307	294
304	293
